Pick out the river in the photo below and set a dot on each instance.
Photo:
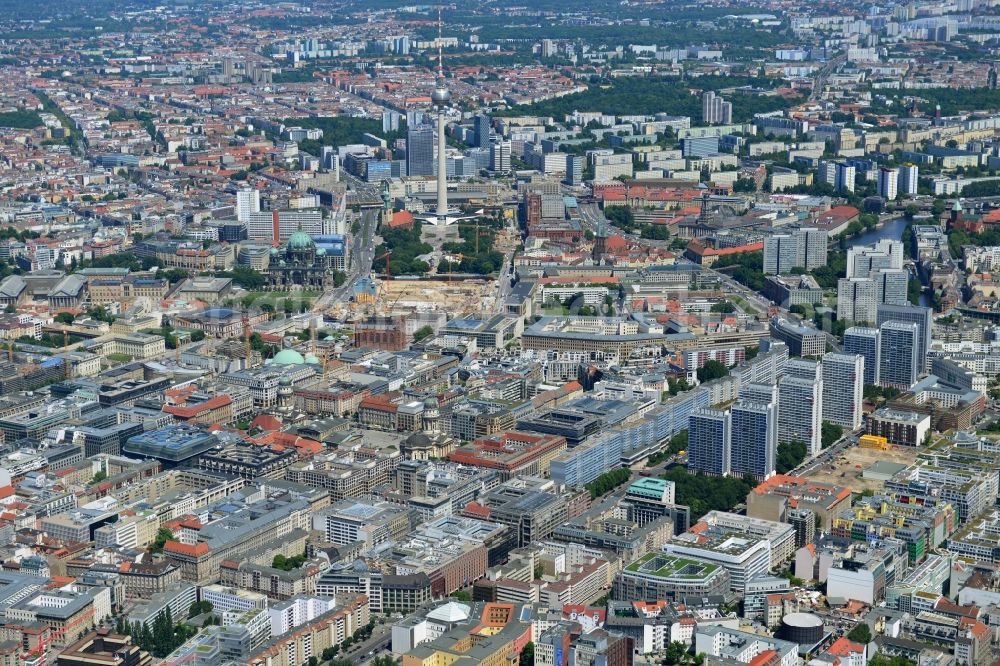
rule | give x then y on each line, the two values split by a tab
892	229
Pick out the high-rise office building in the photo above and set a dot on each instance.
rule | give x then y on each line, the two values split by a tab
909	177
574	170
500	157
843	389
888	183
800	411
483	130
247	202
891	285
420	150
856	300
715	110
277	226
753	439
898	354
922	316
864	341
708	441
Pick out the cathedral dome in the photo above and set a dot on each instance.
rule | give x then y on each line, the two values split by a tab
417	440
300	241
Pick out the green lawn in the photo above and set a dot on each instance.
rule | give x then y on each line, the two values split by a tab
275	298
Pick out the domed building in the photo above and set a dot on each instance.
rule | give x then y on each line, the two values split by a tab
300	263
429	441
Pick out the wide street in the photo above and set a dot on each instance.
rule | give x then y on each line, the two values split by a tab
362	255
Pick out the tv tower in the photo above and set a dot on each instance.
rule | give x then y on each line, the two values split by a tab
441	96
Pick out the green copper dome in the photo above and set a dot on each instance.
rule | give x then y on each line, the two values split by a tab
287	357
300	241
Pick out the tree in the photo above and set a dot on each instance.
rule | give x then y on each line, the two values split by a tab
724	307
712	370
790	455
620	216
65	318
199	607
706	493
830	433
461	595
163	535
384	660
608	481
422	332
100	476
676	653
527	657
861	633
197	336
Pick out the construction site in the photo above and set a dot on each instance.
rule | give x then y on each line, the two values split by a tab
848	469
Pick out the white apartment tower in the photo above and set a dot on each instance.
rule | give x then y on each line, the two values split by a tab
843	389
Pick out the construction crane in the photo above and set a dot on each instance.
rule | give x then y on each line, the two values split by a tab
65	351
460	257
388	269
246	338
473	226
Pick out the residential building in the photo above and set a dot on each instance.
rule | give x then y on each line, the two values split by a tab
899	349
864	342
843	389
753	439
709	441
856	300
887	185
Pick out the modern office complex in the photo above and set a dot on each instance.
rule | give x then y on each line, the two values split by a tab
420	150
658	576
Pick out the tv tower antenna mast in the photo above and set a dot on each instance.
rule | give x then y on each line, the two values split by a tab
440	72
441	96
